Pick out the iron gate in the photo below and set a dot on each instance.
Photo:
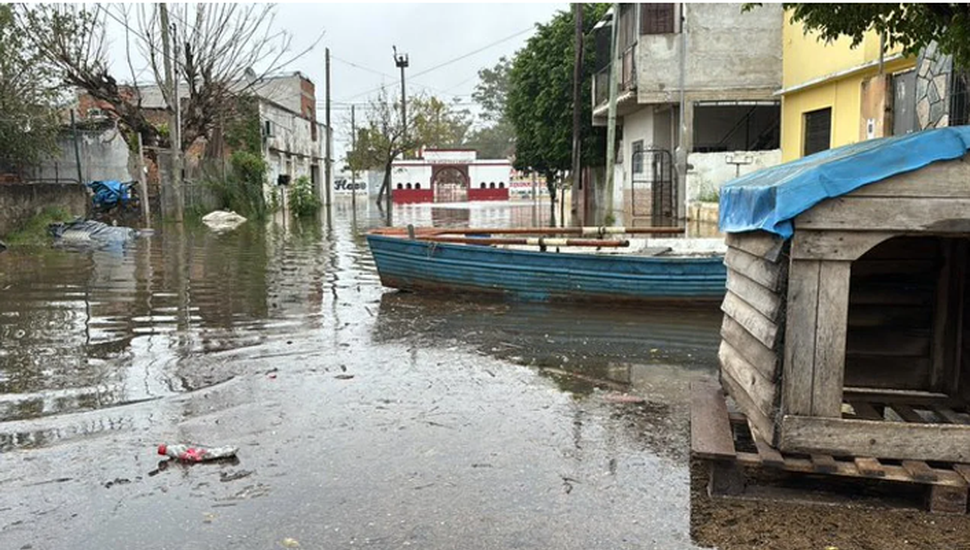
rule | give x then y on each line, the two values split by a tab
653	190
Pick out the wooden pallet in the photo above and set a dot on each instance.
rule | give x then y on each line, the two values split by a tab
726	442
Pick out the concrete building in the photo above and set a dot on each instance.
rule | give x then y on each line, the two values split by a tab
834	94
294	141
695	106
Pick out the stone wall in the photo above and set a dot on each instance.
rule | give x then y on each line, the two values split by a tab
932	88
21	201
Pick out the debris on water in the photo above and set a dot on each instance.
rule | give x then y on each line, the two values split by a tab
290	543
226	477
222	220
188	453
117	481
208	517
344	376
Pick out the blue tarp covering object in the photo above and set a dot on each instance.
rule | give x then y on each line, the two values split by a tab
111	193
769	199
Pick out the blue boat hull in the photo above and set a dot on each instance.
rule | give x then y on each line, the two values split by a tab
408	264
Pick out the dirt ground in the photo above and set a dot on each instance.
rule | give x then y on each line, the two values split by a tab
743	524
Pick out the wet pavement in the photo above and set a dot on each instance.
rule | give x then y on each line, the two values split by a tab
364	417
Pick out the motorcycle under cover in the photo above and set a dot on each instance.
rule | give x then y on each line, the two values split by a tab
769	199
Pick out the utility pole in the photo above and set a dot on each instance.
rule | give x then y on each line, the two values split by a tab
77	150
353	167
577	219
143	184
175	134
611	120
329	160
401	61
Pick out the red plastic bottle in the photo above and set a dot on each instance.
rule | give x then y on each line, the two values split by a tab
188	453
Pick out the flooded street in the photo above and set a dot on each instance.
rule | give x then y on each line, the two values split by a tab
364	417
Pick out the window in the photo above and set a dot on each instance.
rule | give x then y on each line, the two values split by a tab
417	186
501	185
657	18
491	185
400	186
482	186
959	98
818	131
408	186
636	157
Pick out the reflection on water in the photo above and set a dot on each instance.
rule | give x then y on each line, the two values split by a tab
96	329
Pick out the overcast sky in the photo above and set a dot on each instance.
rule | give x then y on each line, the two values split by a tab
363	34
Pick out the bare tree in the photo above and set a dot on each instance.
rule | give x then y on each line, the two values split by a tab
224	51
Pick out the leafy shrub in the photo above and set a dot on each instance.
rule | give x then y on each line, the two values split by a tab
303	201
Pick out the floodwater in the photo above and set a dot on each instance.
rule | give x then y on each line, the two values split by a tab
364	417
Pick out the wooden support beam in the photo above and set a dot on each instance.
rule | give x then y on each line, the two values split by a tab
934	442
869	467
865	411
920	470
889	214
802	313
835	245
830	336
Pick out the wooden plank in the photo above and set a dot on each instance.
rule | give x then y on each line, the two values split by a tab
963	470
920	470
754	322
800	327
941	314
762	358
914	398
865	411
866	316
889	342
944	499
882	372
769	455
761	390
905	248
824	463
869	467
835	245
948	414
907	413
764	425
710	431
759	270
934	442
768	303
940	179
833	311
758	243
954	344
896	214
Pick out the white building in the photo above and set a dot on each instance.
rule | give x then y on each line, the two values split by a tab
450	175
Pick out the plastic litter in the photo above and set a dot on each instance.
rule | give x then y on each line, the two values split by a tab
91	233
222	220
196	453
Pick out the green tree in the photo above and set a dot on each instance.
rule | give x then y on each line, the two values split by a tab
539	100
435	124
28	98
495	138
910	26
381	139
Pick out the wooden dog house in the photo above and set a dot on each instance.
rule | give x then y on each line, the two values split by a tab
846	326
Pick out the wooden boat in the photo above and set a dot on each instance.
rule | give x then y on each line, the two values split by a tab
645	270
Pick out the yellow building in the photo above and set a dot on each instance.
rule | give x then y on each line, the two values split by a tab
833	94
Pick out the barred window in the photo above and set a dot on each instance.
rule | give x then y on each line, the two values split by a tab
657	18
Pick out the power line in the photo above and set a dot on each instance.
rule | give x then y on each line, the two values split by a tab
450	61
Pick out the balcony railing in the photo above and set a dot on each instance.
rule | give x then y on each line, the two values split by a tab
627	82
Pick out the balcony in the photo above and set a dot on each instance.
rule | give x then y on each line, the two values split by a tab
626	86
